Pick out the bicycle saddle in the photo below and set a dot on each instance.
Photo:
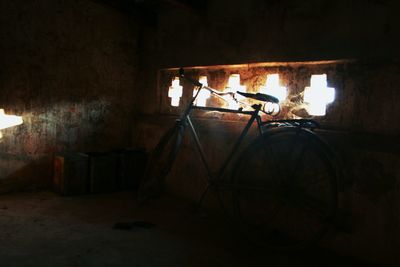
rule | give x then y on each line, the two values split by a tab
261	97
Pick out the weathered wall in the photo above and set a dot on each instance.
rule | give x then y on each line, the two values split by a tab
234	32
239	32
68	67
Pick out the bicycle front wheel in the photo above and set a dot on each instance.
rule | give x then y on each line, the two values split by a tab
285	189
160	162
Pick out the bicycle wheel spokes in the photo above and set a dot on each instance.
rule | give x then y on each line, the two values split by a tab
270	158
285	189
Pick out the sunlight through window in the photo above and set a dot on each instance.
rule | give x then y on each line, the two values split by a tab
272	87
233	87
7	121
175	92
318	95
204	94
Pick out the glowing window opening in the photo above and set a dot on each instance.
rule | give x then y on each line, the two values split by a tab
318	95
204	94
7	121
273	87
175	92
233	86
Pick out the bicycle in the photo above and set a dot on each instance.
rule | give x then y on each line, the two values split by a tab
283	187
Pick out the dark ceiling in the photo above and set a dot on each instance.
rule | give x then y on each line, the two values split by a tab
147	10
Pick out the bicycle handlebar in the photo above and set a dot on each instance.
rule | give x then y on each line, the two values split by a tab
258	96
199	84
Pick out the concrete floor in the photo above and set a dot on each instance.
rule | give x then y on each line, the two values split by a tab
43	229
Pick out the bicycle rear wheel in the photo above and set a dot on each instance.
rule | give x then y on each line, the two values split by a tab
160	163
285	189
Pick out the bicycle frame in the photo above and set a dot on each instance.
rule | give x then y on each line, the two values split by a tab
240	185
253	117
185	120
254	114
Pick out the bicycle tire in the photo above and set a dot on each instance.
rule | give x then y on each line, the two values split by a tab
285	189
160	163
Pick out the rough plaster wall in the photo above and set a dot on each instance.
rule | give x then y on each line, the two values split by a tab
361	91
68	67
234	32
253	31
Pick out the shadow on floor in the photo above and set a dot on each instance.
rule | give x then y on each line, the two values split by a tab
43	229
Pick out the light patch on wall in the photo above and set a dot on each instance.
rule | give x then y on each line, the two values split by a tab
204	94
7	121
318	95
272	87
175	92
234	86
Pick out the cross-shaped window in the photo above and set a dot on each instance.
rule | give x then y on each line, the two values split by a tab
204	94
175	92
272	87
318	95
233	86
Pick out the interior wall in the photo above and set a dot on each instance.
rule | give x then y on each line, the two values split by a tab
240	32
70	68
67	67
236	32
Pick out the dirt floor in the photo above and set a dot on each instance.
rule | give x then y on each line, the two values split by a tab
43	229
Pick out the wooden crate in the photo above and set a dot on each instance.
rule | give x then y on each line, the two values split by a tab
71	173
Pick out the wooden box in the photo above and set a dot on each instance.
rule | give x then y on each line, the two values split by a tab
70	173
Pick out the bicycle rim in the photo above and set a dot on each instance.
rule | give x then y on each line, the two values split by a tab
285	189
160	163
